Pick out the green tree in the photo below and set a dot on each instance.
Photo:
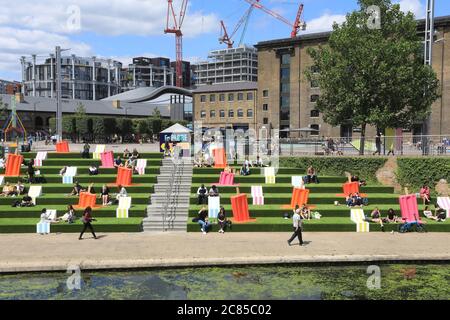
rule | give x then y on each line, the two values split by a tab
142	127
110	126
156	113
81	120
374	76
156	125
99	129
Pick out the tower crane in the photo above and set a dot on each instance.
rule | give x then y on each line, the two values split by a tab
176	29
228	38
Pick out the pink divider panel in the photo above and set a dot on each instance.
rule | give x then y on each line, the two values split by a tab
107	159
408	208
226	179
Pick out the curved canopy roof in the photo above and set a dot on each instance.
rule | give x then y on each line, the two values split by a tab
146	94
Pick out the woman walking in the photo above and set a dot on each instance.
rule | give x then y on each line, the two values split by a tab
87	219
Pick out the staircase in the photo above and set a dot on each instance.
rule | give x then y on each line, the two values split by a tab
170	202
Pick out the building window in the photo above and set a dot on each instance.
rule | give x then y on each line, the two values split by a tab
314	98
212	113
230	97
212	98
286	59
285	88
240	96
222	113
202	98
314	84
265	107
240	113
315	113
222	97
203	114
284	114
285	73
249	113
266	121
315	127
315	69
285	102
265	93
250	96
231	113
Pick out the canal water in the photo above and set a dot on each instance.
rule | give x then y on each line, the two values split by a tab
393	282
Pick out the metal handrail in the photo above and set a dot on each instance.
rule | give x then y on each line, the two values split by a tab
168	214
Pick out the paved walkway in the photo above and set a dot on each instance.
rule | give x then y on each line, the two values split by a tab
30	252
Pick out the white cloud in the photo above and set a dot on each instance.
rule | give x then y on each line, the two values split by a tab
323	23
414	6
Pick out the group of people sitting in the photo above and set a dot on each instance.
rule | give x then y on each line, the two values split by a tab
356	200
205	225
128	159
105	193
203	160
203	193
13	190
376	217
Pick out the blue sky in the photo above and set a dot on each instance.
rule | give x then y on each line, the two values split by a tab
115	29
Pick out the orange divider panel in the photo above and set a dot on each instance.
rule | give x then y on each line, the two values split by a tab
86	200
239	204
299	197
62	147
220	158
124	177
13	163
350	187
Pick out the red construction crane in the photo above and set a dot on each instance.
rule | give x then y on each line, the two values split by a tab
227	38
176	29
296	26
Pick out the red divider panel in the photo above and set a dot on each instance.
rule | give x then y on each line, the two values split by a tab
299	197
13	163
107	159
86	200
124	177
62	147
220	158
408	208
239	204
350	187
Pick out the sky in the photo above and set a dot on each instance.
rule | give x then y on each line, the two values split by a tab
122	29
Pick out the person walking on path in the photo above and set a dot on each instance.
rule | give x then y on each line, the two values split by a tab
298	224
87	219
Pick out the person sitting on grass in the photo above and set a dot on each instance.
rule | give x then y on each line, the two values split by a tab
311	176
62	172
8	190
203	220
202	194
245	170
26	202
392	216
359	201
258	162
93	170
105	195
77	189
118	162
305	212
126	154
122	193
375	216
69	216
19	188
425	194
214	191
440	214
135	154
222	220
349	200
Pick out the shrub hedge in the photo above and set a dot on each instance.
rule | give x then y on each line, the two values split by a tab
415	172
365	168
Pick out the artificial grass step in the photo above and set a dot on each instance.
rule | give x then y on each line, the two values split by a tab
325	210
77	155
322	225
278	188
260	179
82	169
35	212
53	199
28	225
314	198
146	188
87	179
292	171
85	162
